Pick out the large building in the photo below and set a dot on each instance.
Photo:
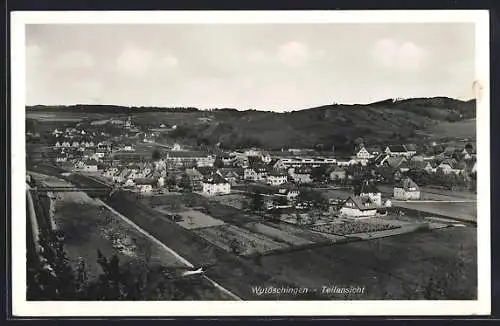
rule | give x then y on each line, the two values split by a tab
216	185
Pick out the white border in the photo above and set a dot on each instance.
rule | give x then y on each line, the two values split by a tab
247	308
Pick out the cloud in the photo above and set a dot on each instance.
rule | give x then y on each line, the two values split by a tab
293	54
390	54
168	62
134	61
73	59
256	56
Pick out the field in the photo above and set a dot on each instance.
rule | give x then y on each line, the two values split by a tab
462	211
428	193
193	220
244	241
233	200
399	267
465	129
54	116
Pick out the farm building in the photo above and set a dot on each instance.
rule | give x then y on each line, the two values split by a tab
367	190
90	166
358	207
216	185
407	190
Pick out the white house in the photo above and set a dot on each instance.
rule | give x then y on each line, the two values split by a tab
276	179
407	190
289	190
176	147
363	154
90	166
369	192
216	185
58	144
358	207
300	175
255	174
145	185
397	150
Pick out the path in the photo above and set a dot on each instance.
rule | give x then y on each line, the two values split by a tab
175	254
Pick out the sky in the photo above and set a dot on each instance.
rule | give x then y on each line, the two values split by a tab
276	67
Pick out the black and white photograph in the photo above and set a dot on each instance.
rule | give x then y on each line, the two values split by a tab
292	162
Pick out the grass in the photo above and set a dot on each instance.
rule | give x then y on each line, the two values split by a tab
394	267
464	211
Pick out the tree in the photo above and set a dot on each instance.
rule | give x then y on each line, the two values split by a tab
469	148
315	198
319	174
156	155
218	163
185	183
235	246
256	202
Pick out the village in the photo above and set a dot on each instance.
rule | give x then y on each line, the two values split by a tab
269	181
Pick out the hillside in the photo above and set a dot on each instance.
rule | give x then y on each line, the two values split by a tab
411	120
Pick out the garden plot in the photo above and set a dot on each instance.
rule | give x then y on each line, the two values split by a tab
238	240
192	219
276	234
236	201
298	231
353	227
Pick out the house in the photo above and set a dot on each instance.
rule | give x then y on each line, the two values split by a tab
449	166
277	178
368	190
110	172
430	167
394	161
255	173
300	175
404	166
411	148
358	207
266	157
216	185
407	189
128	148
363	154
75	144
61	158
66	144
337	174
176	147
230	174
289	190
90	166
196	178
397	150
145	185
58	144
189	159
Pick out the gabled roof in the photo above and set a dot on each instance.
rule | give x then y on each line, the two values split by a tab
374	149
205	170
215	178
362	204
407	183
397	148
395	162
411	147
